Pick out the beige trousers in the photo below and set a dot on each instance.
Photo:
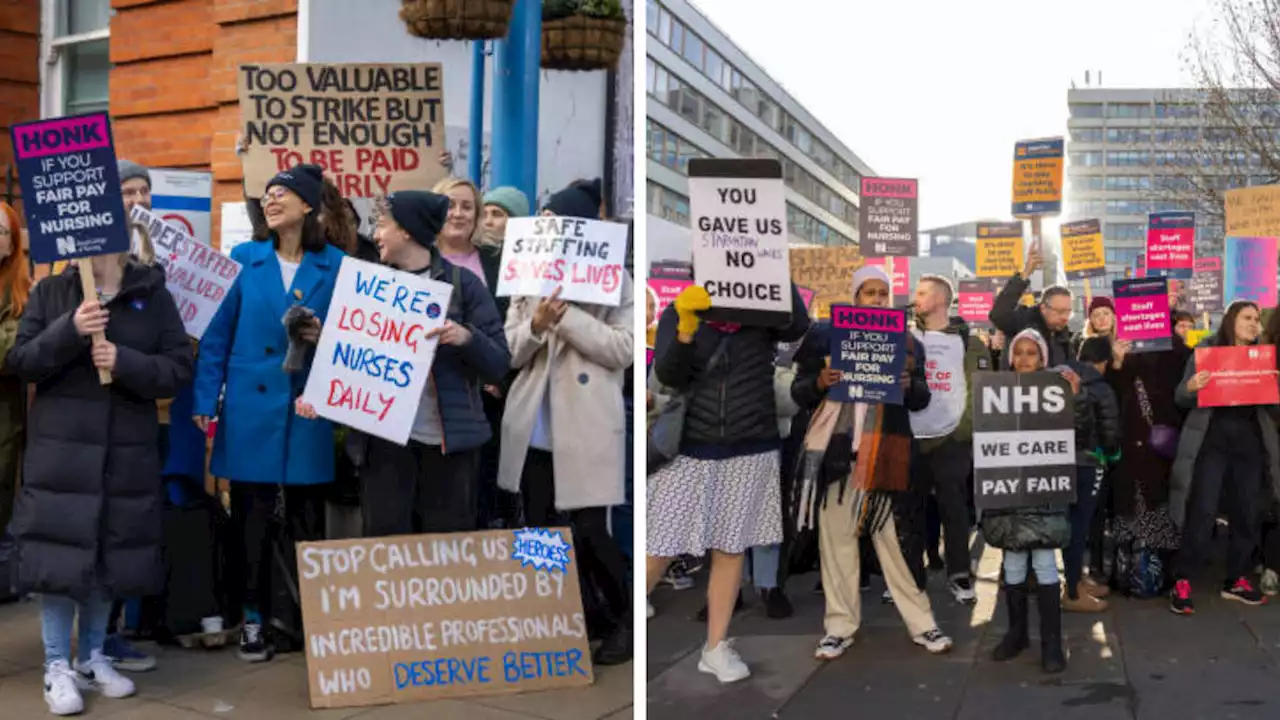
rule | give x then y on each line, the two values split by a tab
840	562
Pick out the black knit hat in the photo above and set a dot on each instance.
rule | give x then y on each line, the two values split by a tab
581	199
420	213
306	181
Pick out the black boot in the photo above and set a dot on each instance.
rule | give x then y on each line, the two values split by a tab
1015	639
617	648
1049	602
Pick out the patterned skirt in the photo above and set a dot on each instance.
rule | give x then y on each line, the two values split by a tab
727	505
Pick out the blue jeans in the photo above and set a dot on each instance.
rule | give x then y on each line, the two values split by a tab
57	614
1044	562
762	571
1088	487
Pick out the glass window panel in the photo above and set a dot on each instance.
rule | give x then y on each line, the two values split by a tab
1086	110
693	50
81	16
715	66
664	28
652	14
85	80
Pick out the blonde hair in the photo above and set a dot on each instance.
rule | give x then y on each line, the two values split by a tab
478	238
146	249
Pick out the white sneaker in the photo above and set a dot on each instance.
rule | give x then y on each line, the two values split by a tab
723	662
933	641
887	597
962	590
60	691
832	647
99	674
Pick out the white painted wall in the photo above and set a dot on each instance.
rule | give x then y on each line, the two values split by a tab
571	118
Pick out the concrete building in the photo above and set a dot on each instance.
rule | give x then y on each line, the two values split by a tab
706	98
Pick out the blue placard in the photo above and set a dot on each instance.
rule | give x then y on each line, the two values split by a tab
70	188
868	345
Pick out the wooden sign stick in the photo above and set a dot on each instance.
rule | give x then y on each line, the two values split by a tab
89	286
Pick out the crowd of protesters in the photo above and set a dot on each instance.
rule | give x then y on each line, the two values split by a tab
522	422
770	467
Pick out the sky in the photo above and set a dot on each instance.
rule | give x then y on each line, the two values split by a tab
941	90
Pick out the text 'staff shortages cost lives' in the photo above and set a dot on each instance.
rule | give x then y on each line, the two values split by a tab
70	188
1024	440
888	217
1037	177
1142	314
868	345
1171	244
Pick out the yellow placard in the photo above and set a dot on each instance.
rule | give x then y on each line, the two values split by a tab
1037	177
1195	336
1082	250
1253	211
1000	251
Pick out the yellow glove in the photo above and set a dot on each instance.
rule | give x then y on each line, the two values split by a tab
691	301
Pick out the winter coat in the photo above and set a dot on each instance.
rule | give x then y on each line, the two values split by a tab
976	359
13	412
88	512
1012	318
581	362
260	438
731	413
1192	438
1099	435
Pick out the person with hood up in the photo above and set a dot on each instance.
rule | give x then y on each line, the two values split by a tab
855	475
1049	319
1031	536
564	430
88	520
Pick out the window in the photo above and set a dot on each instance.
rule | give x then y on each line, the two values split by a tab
1127	158
1177	110
1127	182
652	13
1126	207
1088	208
1122	256
1089	135
1092	158
667	204
693	48
650	75
1171	183
1125	231
715	66
1128	135
76	38
1086	110
664	27
1137	111
1087	182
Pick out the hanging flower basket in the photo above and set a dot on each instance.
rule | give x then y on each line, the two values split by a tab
457	19
579	42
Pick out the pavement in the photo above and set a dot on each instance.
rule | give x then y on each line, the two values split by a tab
1135	661
201	684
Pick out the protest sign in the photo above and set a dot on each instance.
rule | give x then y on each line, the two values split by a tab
1205	289
1082	252
1250	270
806	296
373	128
1195	336
197	276
828	273
1037	177
1171	244
977	297
236	227
899	271
419	617
70	188
869	346
666	281
1024	440
887	217
1238	375
999	250
585	258
1253	211
185	199
374	356
740	248
1142	314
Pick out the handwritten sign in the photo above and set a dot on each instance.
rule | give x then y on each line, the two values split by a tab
1250	270
374	357
419	617
197	276
585	258
869	346
70	188
373	128
977	297
999	250
1204	293
740	239
1171	244
1024	440
1037	177
1253	211
1142	314
887	217
828	273
1082	253
1239	375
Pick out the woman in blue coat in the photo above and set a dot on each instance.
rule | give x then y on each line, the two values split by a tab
261	444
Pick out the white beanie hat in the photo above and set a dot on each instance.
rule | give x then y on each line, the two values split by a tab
1035	336
870	272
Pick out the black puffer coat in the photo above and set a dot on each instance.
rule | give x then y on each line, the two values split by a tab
1098	428
732	411
88	512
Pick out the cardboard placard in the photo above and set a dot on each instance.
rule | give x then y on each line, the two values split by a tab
1000	252
374	357
419	617
1171	244
1037	177
1250	270
977	297
70	187
869	346
827	272
373	128
584	258
1024	440
740	248
1204	293
197	276
1142	314
1083	255
1253	211
1239	375
888	217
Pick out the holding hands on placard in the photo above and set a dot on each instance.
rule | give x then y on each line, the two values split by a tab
90	318
1119	349
1034	262
828	377
104	356
691	301
1198	381
304	409
1071	377
548	313
451	333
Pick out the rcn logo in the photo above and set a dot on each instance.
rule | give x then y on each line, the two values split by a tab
66	245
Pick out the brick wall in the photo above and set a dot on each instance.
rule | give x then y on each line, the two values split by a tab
19	71
173	88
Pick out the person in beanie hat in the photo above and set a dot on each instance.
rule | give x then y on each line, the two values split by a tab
500	204
421	487
580	199
289	273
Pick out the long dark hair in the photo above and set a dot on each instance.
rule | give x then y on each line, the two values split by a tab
1226	336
